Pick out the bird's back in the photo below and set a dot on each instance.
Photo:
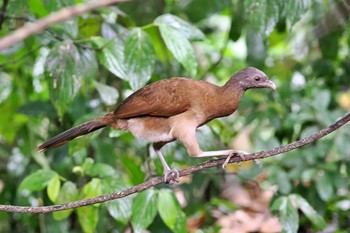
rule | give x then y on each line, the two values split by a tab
165	98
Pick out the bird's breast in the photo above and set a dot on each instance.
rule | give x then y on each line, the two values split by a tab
217	109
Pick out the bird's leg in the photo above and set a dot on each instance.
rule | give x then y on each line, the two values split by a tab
222	153
166	167
228	153
188	138
187	135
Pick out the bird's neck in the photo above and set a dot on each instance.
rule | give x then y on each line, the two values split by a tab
221	101
232	89
234	84
228	98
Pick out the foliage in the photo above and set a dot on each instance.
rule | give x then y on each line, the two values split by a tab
78	69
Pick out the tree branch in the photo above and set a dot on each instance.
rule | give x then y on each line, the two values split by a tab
61	15
158	180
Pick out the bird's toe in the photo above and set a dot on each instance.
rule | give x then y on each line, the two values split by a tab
175	179
240	154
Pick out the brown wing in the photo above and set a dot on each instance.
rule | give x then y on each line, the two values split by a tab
164	98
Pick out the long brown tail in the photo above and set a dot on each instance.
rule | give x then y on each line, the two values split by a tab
77	131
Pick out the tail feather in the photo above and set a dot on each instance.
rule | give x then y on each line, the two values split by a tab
75	132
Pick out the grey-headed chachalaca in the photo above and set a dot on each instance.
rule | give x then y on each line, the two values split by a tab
173	109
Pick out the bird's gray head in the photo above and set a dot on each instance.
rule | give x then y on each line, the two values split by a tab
252	78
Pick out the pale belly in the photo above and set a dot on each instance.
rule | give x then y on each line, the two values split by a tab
152	129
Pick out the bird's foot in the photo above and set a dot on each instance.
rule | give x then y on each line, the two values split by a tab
174	180
240	154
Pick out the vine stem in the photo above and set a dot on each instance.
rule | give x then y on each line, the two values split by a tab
158	180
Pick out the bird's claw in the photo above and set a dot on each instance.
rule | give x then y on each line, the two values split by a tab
175	180
226	161
240	154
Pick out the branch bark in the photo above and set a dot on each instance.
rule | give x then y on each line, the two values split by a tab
158	180
61	15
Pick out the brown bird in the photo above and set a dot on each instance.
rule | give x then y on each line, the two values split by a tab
173	109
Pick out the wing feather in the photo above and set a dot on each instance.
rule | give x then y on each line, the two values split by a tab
164	98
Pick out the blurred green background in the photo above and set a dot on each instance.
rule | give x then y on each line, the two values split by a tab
84	67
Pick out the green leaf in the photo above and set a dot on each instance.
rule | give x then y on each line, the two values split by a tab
321	98
132	166
88	165
223	204
53	188
324	187
88	218
288	214
181	222
316	219
90	26
294	10
280	177
187	30
38	180
5	86
111	55
92	189
262	15
139	58
180	47
329	44
65	69
119	209
237	22
38	108
289	217
37	7
109	95
170	211
176	33
197	10
159	46
9	114
144	210
283	182
68	193
56	5
308	174
67	27
167	207
100	170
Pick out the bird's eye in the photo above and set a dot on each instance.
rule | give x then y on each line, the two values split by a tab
257	78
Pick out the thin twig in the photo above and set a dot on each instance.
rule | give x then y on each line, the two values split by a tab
61	15
158	180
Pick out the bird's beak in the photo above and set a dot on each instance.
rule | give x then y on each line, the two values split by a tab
271	84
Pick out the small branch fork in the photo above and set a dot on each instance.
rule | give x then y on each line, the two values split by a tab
158	180
56	17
